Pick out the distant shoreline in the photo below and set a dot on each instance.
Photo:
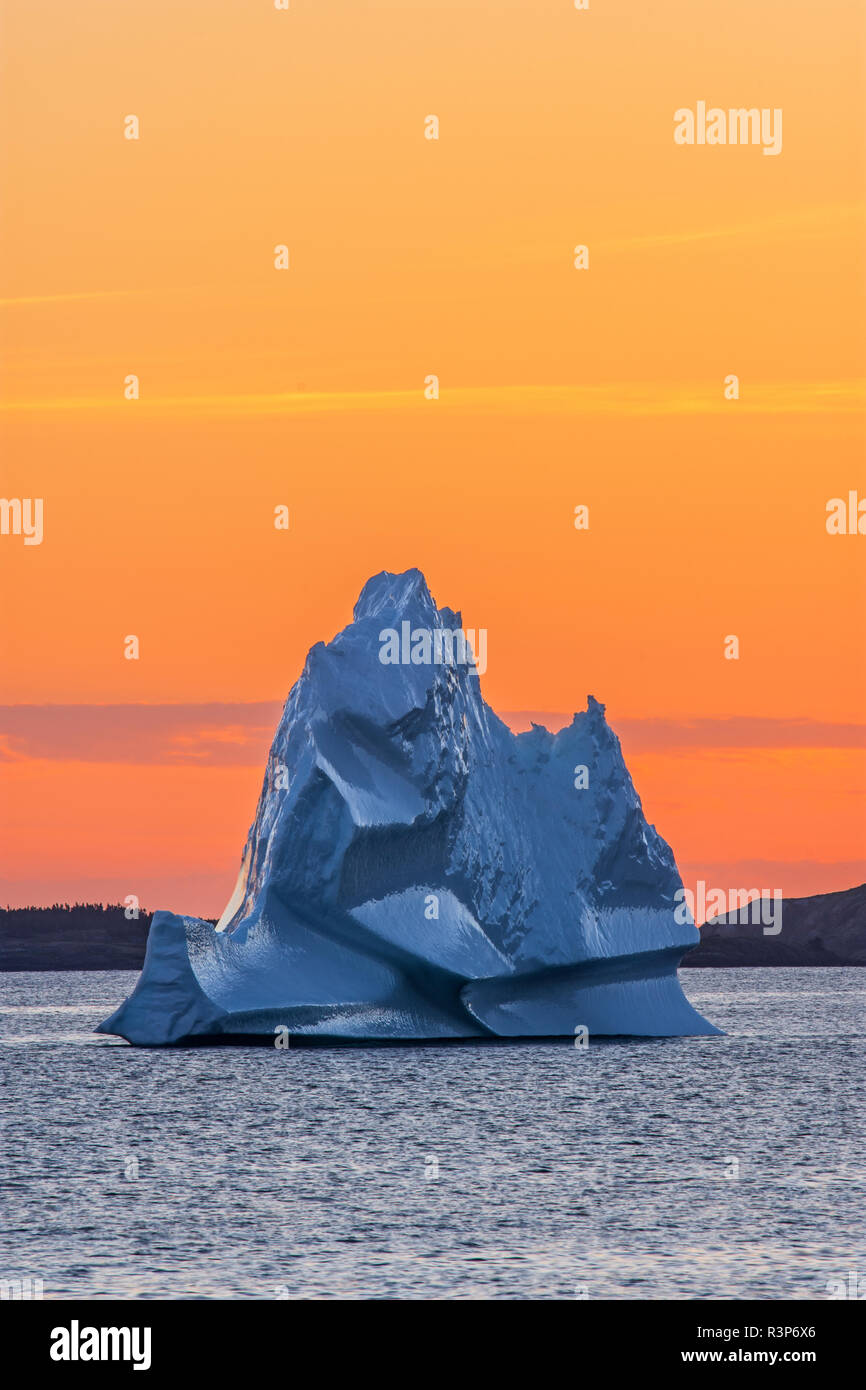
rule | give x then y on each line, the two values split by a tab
72	936
827	929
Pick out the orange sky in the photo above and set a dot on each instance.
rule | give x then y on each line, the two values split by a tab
411	257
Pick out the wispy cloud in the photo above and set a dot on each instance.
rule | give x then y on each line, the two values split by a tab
151	292
199	735
67	297
804	877
809	221
239	734
623	398
744	731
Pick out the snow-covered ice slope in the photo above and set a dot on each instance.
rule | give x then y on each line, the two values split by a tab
416	870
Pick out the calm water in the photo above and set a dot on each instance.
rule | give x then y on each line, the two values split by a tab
516	1171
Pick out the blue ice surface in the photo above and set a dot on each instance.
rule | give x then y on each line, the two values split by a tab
416	871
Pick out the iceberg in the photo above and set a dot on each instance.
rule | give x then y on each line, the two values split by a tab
416	871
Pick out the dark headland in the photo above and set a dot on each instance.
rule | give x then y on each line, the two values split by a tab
72	936
828	929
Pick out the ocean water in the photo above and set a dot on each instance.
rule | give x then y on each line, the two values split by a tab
720	1167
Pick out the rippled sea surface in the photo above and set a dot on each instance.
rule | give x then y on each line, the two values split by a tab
720	1167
